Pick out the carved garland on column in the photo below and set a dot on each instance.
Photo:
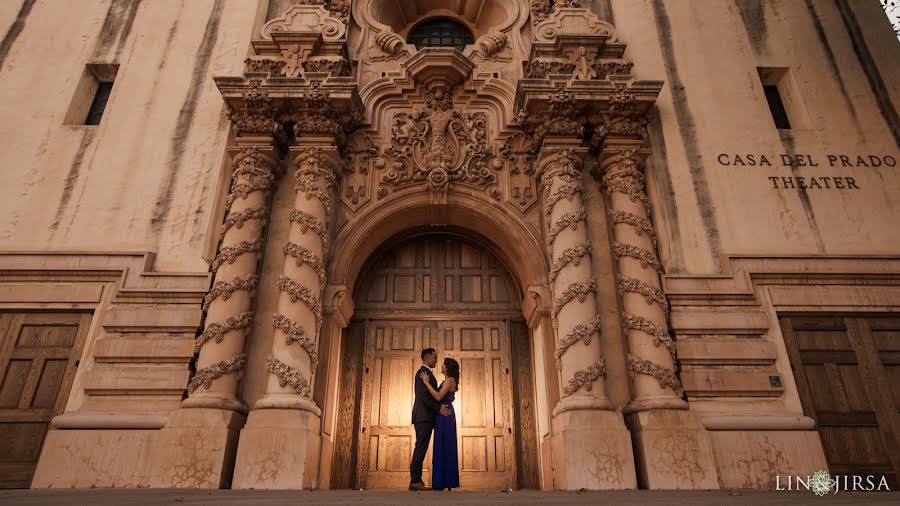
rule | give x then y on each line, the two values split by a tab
252	173
310	167
565	168
288	376
627	178
665	376
309	222
204	377
226	288
216	331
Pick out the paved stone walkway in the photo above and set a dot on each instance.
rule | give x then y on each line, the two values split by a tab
132	497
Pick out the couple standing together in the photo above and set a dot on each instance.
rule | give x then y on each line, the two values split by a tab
433	411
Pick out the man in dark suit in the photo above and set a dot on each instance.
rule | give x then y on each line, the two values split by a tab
424	411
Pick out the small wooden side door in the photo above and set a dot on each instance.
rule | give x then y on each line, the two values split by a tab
844	385
38	356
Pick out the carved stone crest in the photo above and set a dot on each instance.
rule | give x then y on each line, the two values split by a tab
439	145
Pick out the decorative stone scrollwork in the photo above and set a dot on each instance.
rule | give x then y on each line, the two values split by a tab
296	292
288	376
568	19
540	9
255	115
623	119
519	152
586	378
540	69
389	42
294	332
266	65
491	43
216	331
605	69
225	288
666	377
316	117
338	67
438	146
561	119
651	294
205	376
582	332
358	151
311	16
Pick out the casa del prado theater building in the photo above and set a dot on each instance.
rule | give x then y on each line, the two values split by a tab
661	237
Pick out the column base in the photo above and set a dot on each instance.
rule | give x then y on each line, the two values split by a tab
197	449
278	450
287	401
650	402
591	449
672	450
215	400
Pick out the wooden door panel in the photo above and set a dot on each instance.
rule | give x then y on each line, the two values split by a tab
845	388
38	355
391	360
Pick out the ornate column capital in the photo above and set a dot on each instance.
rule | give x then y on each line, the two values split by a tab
252	115
623	121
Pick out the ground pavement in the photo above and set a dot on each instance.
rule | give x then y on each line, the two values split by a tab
138	497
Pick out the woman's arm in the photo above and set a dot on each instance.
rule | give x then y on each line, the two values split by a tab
437	394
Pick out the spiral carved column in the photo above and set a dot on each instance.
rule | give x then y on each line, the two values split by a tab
657	414
574	315
229	303
298	319
651	350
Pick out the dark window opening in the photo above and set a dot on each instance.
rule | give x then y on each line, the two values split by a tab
95	114
440	32
776	106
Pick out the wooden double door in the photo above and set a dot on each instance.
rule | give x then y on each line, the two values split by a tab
451	294
483	404
848	377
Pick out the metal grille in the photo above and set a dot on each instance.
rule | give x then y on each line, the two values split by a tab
440	32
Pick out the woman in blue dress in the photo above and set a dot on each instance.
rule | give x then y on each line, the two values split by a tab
444	456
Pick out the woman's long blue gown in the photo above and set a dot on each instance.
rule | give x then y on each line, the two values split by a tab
444	455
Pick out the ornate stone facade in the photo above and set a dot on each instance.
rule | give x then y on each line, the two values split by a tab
667	290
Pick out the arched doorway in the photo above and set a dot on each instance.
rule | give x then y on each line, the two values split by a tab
450	292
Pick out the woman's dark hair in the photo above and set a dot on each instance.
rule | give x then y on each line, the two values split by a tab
452	370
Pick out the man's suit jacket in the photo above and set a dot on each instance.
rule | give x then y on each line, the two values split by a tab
425	408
